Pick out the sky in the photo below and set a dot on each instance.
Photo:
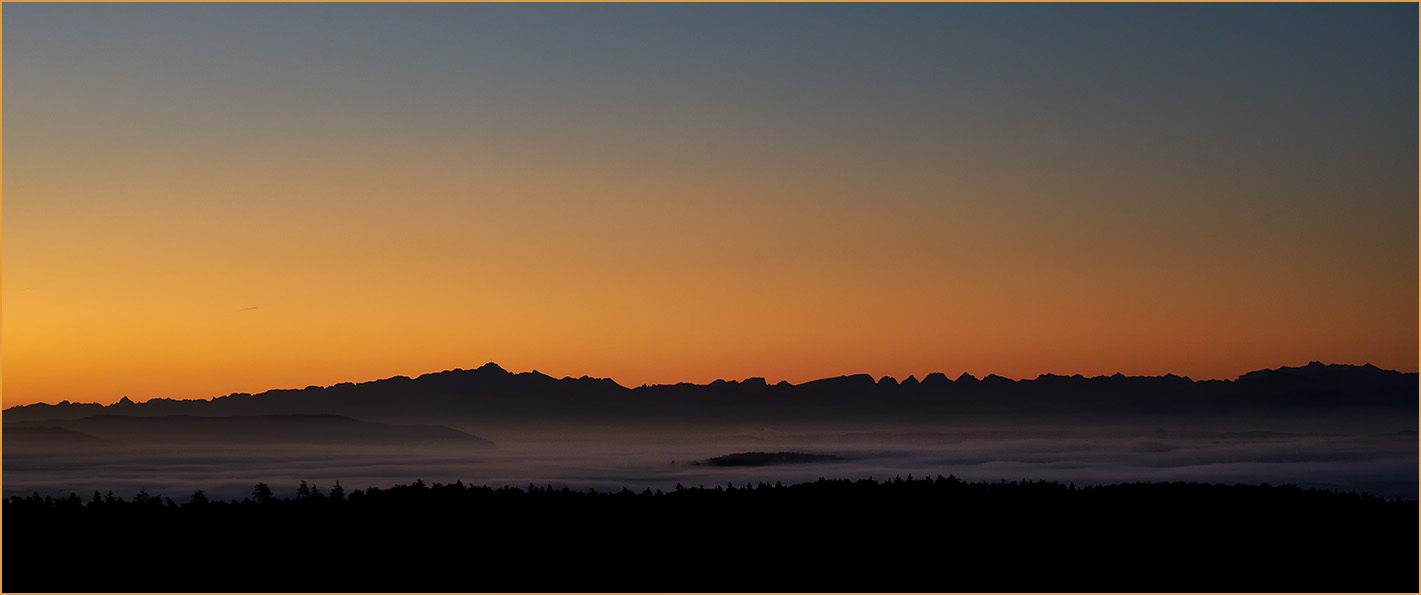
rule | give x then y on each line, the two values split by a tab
201	199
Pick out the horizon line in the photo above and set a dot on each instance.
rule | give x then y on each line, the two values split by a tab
880	379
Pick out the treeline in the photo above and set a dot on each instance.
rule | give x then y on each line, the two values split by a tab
929	534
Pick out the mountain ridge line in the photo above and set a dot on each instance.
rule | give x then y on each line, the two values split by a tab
491	392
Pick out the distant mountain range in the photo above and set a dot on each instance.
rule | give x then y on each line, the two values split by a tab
492	394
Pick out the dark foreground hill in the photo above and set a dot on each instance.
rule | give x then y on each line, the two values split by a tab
492	394
927	535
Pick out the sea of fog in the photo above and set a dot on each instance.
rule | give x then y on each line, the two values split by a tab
1382	463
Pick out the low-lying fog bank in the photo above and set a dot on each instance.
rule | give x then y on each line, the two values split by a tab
1381	463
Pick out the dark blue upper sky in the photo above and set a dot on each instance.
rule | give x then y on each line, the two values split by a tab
663	192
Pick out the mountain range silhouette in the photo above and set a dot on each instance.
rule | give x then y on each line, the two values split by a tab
1175	535
492	394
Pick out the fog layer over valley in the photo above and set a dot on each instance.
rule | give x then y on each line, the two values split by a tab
1383	464
1331	427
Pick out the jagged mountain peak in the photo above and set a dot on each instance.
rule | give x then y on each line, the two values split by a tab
491	368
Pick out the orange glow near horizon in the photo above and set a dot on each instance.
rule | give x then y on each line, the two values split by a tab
199	214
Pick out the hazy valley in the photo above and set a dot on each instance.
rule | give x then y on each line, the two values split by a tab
1326	426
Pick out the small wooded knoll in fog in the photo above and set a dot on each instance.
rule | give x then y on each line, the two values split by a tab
758	459
930	534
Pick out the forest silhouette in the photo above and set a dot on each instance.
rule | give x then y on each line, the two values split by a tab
904	534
